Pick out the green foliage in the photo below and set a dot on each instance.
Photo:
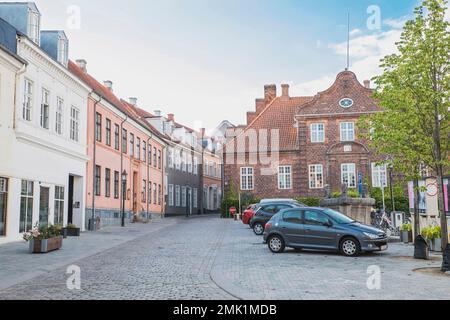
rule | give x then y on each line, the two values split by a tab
351	193
406	227
431	233
400	198
71	226
310	202
231	199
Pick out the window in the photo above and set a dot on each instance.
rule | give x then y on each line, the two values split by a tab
26	206
177	196
144	191
246	178
34	26
97	180
62	51
116	136
3	203
177	159
59	116
183	162
45	108
195	165
98	127
108	132
154	157
144	151
349	174
316	176
107	182
159	159
183	197
149	154
347	131
171	195
149	192
205	168
131	145
293	216
74	124
27	100
59	206
195	198
189	163
284	177
170	158
159	194
116	184
154	193
379	176
317	133
124	141
138	148
315	218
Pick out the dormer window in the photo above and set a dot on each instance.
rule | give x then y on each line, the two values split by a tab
34	26
62	50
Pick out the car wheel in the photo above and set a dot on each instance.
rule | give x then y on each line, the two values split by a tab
258	229
276	244
350	247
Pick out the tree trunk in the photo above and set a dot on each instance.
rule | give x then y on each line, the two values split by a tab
441	202
416	209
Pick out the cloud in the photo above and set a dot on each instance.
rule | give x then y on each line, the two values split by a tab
398	23
355	32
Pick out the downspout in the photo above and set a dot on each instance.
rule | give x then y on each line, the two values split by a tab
94	157
122	207
163	198
18	74
148	176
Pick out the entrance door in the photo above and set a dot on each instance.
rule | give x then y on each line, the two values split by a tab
70	204
44	200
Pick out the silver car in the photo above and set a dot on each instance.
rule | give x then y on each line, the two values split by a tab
322	229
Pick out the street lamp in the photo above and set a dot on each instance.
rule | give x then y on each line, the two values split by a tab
124	194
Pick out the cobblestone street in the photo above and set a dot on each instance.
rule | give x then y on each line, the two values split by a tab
210	258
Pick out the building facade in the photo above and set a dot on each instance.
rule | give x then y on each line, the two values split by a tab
304	146
120	142
43	158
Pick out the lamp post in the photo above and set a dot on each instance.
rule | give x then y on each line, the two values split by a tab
124	194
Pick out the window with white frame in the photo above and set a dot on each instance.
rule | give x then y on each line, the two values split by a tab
171	195
348	173
177	196
315	176
62	50
347	131
183	161
59	206
317	132
170	157
45	108
27	100
247	178
284	177
195	198
379	176
195	165
34	26
183	197
177	159
59	115
74	124
189	163
26	206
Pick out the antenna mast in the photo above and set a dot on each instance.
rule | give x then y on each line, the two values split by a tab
348	42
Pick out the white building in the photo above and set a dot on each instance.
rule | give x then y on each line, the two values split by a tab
43	145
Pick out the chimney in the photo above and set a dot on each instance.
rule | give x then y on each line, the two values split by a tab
81	63
132	101
171	117
203	132
367	84
285	89
157	113
108	84
270	92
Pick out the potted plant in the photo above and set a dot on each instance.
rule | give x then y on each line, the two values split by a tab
44	239
406	233
437	238
71	230
427	235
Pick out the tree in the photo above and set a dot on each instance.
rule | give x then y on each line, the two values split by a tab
413	91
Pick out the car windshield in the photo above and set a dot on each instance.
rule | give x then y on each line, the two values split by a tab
338	217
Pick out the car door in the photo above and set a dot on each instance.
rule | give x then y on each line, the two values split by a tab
266	213
291	225
318	230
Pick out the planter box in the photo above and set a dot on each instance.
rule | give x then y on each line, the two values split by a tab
71	232
404	236
437	245
44	246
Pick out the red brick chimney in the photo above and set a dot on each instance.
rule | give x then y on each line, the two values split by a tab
367	84
82	64
285	90
270	93
171	117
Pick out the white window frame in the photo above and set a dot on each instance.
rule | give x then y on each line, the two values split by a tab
317	132
189	163
28	100
74	124
347	131
34	26
177	159
183	197
247	178
195	165
177	196
379	176
285	177
183	162
348	171
195	197
59	121
316	171
171	157
171	198
62	50
45	109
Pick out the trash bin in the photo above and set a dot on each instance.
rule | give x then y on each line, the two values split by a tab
232	213
92	224
421	249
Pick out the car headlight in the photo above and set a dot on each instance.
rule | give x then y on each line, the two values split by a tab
371	236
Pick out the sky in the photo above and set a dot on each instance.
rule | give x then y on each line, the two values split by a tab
208	60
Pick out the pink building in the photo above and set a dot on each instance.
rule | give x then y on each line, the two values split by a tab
119	141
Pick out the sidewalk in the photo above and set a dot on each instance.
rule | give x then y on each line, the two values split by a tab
17	265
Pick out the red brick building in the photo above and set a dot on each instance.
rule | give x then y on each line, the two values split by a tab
297	146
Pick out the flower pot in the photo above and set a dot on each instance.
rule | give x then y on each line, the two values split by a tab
72	232
437	245
404	235
44	246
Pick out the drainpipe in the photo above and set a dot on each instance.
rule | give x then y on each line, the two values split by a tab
94	158
148	175
18	74
163	201
122	206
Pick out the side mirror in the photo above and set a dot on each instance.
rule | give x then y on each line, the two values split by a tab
328	224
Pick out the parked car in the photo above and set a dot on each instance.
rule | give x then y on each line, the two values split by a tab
322	229
266	211
265	201
249	213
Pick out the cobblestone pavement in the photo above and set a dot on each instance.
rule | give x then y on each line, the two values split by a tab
210	258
